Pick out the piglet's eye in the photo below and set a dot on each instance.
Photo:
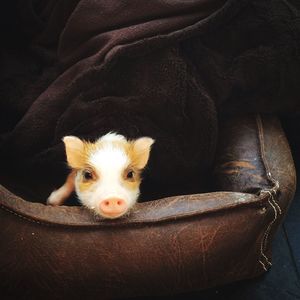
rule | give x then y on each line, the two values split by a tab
87	175
129	174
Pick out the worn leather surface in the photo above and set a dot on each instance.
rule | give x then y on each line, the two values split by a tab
239	165
165	246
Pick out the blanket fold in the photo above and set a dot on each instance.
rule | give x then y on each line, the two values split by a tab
164	68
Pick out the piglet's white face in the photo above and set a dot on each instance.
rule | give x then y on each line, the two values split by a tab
108	172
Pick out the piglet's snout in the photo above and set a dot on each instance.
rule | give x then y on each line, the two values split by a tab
113	207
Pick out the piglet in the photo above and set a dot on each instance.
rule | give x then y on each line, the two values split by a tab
106	174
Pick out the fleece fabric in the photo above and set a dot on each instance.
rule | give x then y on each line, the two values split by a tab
162	68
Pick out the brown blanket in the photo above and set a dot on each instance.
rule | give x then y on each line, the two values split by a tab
161	68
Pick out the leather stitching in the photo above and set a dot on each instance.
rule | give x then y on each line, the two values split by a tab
23	217
272	192
260	198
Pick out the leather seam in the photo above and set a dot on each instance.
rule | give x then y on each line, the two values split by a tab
25	218
272	192
261	197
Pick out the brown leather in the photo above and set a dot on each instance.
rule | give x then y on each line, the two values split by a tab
165	246
239	165
254	155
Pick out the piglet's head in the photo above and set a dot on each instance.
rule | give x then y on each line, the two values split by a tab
108	171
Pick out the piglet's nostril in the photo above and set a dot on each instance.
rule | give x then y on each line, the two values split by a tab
113	206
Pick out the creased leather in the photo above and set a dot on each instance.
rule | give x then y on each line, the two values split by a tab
165	246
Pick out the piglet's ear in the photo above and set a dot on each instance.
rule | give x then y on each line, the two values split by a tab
74	151
141	151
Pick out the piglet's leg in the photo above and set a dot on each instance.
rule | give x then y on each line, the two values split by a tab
58	197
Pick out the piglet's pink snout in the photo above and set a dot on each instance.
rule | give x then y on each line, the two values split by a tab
113	207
